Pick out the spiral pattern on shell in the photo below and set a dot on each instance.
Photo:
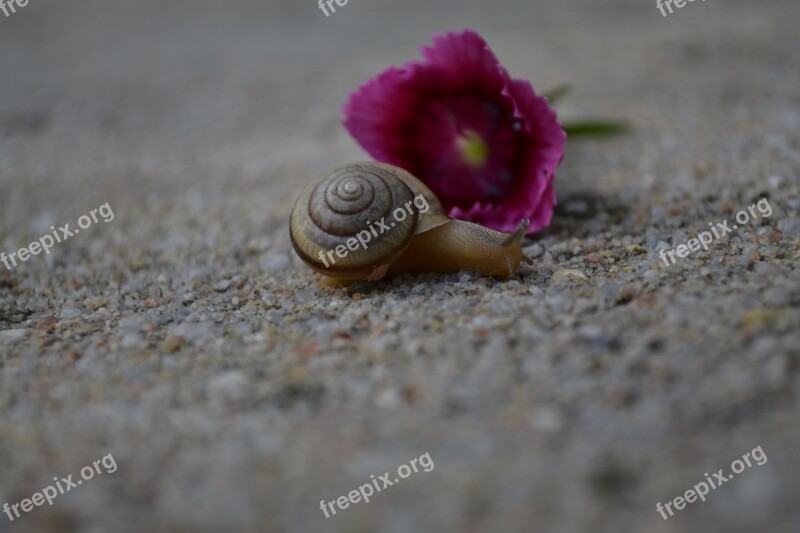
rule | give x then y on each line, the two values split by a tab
351	219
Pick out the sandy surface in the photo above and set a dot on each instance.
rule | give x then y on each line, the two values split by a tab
184	338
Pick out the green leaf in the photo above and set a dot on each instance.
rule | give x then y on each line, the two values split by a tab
595	128
553	95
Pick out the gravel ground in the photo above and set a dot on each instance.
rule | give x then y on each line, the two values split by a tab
185	338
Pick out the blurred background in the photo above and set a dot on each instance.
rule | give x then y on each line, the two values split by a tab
186	339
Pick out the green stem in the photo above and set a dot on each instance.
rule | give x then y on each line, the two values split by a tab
595	128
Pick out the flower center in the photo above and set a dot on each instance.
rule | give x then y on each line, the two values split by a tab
473	148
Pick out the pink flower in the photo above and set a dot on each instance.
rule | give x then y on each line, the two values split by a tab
485	143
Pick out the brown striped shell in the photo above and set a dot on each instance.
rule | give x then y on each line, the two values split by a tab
350	202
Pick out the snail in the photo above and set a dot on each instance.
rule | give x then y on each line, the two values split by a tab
365	220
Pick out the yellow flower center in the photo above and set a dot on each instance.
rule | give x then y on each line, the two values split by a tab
473	149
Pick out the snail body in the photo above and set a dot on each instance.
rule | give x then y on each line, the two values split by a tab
363	221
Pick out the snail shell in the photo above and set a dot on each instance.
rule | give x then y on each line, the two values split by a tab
351	199
347	226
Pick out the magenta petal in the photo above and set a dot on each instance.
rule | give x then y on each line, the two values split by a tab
465	62
375	115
